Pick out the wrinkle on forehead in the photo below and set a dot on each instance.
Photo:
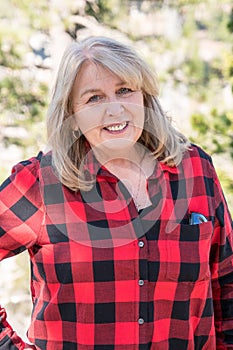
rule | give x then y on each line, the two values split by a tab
101	73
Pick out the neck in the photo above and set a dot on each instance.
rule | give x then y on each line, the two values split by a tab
121	159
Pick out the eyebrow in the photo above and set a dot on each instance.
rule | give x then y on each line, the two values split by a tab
93	91
90	91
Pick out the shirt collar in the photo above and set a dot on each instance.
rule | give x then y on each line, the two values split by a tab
94	168
170	169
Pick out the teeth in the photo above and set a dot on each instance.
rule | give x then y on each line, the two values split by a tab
116	127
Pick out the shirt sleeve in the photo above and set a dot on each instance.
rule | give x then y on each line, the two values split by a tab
21	209
222	270
9	340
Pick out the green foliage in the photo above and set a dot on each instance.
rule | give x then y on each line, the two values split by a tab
215	134
18	20
215	131
108	12
23	103
230	57
203	79
230	22
100	10
24	97
12	47
181	3
35	15
177	4
227	185
227	182
199	123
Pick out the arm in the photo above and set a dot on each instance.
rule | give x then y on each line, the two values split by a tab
21	217
9	340
222	271
21	209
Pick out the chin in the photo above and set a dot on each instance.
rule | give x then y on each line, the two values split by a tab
118	144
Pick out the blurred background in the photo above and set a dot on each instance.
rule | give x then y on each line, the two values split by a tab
188	43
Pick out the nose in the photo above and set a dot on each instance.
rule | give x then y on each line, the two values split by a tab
114	108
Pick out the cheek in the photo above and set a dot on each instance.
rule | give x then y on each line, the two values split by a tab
138	113
89	119
81	123
136	107
88	128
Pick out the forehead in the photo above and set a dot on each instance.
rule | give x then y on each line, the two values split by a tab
91	73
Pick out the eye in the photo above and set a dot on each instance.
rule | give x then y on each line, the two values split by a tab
94	98
124	91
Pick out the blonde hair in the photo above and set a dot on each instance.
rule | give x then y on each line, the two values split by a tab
166	143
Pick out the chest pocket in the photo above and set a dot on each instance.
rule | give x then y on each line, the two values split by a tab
188	250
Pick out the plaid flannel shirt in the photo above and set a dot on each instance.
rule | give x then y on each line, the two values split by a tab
105	276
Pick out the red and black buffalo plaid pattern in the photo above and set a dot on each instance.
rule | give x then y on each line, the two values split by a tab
105	276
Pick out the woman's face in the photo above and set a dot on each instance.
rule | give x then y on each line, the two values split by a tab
108	111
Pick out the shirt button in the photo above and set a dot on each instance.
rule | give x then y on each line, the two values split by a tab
141	244
140	321
141	282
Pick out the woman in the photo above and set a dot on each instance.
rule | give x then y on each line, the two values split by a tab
128	231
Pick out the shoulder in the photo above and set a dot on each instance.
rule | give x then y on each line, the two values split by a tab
198	152
24	174
32	164
199	159
20	193
195	162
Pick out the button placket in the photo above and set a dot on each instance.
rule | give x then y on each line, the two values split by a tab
141	244
142	285
140	321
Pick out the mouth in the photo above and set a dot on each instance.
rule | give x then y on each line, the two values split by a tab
116	128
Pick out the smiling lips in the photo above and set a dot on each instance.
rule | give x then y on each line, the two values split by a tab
116	128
